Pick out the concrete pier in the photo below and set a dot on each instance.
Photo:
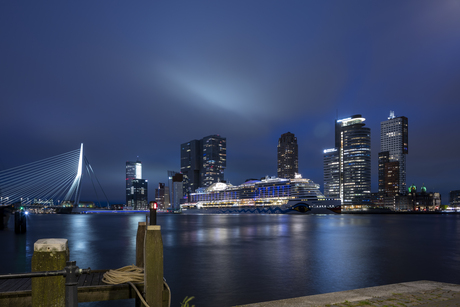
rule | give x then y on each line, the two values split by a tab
418	293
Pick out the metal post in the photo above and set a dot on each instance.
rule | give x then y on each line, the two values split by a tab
71	285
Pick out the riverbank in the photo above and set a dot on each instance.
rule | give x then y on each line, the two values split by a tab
417	293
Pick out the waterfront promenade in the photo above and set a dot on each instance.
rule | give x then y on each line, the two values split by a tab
417	293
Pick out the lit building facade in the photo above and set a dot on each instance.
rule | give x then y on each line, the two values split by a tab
136	187
331	158
190	164
162	196
454	199
214	160
394	148
177	191
347	167
203	162
288	157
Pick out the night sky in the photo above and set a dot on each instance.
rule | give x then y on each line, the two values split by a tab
137	79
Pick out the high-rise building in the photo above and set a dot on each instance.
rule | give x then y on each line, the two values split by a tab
394	148
162	196
288	159
177	191
203	162
332	173
136	187
347	167
214	159
190	164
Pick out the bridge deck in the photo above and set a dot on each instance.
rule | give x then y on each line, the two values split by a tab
91	288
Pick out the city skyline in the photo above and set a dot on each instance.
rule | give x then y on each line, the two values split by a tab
139	80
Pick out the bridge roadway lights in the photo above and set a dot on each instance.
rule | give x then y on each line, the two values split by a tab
49	255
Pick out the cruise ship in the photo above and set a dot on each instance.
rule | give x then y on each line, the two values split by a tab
270	195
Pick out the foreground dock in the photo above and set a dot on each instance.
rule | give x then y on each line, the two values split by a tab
91	288
418	293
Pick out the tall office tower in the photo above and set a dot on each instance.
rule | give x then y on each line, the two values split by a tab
162	196
190	165
177	191
394	146
288	158
348	165
214	159
203	162
136	187
331	158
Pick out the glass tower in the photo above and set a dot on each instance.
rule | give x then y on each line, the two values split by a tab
347	167
288	164
203	162
136	187
394	147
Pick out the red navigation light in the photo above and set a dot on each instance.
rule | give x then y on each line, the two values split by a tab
155	205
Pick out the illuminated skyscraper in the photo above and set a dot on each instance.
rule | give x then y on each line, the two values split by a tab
190	165
347	167
392	156
332	173
288	162
136	187
203	162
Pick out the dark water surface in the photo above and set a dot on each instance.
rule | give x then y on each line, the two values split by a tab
226	260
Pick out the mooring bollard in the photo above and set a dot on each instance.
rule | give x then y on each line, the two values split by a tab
140	237
153	266
2	217
49	255
20	222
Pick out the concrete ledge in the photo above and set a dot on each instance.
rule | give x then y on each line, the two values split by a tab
416	288
51	245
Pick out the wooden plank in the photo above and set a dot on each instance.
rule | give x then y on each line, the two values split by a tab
81	279
107	292
89	279
100	279
20	286
95	279
16	299
28	285
6	287
3	282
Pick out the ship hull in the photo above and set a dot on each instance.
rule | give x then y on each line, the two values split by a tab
292	207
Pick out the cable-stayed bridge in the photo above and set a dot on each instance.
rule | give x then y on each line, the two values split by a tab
49	182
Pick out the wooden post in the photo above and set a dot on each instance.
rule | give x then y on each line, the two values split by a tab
20	222
140	237
49	255
153	266
2	217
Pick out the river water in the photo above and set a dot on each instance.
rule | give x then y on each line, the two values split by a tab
226	260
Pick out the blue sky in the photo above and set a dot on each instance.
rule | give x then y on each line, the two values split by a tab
138	79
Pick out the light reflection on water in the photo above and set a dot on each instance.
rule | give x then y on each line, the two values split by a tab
226	260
